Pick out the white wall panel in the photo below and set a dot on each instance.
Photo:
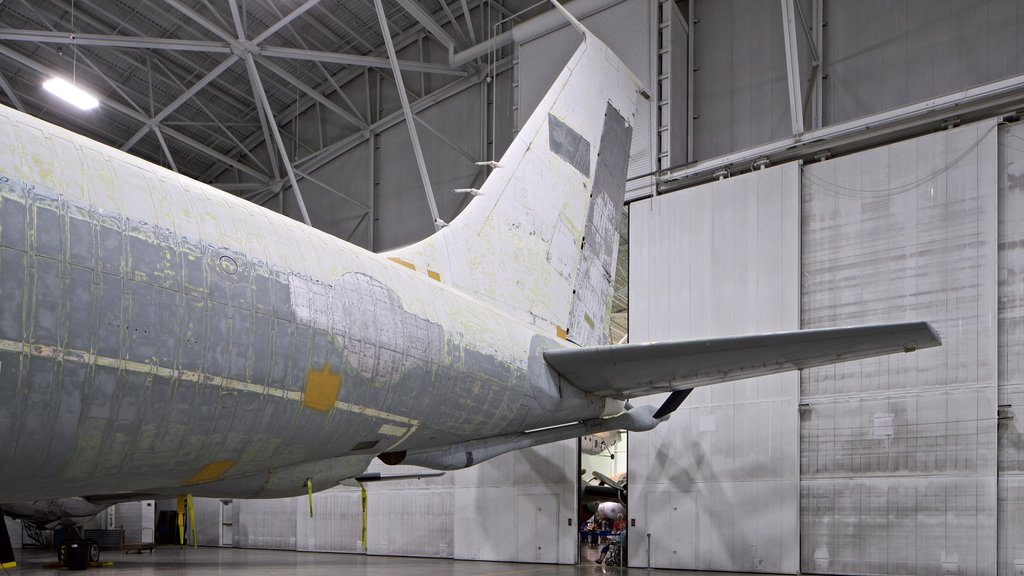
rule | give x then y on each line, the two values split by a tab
267	523
410	517
715	260
518	507
1011	341
337	522
209	521
898	454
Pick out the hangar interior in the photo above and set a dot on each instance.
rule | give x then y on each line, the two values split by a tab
801	164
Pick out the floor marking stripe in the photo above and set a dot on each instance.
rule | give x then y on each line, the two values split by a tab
81	357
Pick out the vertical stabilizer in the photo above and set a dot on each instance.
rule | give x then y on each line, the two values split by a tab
540	241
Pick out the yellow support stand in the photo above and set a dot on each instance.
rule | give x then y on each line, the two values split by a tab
362	500
192	520
309	487
181	520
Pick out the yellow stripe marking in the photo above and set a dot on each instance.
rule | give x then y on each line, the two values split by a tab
433	275
8	565
561	333
81	357
211	471
401	262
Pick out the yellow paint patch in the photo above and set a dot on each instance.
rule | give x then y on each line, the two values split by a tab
561	333
401	262
8	565
433	275
211	471
322	387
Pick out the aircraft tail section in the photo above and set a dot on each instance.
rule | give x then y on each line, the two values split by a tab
540	241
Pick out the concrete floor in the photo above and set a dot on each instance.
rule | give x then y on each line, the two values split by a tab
227	561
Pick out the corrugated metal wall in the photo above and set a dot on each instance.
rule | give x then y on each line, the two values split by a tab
898	454
717	486
740	95
1011	341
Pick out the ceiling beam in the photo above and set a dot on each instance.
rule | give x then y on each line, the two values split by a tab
261	100
11	94
357	60
409	121
184	97
427	21
312	93
113	41
284	21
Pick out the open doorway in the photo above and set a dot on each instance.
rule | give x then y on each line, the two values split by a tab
603	498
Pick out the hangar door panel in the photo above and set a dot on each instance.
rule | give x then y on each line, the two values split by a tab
505	508
1011	346
898	453
672	522
716	260
537	528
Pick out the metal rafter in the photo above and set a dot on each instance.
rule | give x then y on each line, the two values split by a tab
796	109
261	100
135	115
358	60
184	97
409	119
427	21
11	94
114	41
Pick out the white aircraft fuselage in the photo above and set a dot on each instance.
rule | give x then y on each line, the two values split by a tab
170	334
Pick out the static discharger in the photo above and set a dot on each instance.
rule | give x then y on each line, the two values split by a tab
489	164
473	191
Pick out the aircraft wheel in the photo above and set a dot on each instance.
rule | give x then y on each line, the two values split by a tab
94	550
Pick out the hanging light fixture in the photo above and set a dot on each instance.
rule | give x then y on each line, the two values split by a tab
72	94
69	91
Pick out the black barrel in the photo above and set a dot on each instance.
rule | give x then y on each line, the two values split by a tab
76	555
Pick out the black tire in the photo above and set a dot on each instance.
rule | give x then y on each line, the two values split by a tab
94	550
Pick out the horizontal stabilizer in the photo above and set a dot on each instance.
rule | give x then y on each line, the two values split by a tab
631	370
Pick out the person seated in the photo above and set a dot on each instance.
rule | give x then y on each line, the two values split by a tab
619	541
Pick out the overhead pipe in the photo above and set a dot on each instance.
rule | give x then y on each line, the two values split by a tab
532	28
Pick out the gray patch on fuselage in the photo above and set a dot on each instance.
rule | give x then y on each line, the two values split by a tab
569	145
592	289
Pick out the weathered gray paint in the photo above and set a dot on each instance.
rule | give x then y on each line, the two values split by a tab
898	455
1010	429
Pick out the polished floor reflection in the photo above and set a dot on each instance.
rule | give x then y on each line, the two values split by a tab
221	561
